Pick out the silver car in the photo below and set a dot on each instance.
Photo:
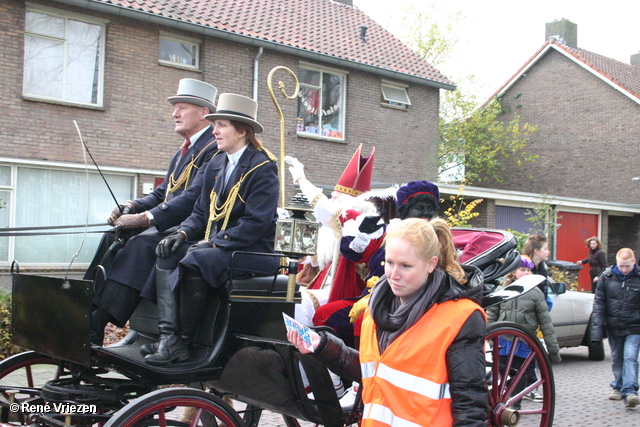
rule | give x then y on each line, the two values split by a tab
571	316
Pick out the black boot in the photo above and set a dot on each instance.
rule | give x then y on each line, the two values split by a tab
99	320
193	299
170	346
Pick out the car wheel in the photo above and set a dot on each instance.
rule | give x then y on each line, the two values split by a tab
596	350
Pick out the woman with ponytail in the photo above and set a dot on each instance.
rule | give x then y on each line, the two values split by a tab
421	357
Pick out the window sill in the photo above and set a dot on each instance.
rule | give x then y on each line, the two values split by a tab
64	103
180	67
320	137
393	107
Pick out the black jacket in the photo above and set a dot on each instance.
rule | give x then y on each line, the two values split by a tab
465	357
616	306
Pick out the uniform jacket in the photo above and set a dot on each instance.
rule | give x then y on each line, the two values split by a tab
616	306
167	209
464	358
250	225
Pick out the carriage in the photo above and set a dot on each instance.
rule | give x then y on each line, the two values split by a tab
241	353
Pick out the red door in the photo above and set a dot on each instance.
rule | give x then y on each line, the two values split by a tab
574	229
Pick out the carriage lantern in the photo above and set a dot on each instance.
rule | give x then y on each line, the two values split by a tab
296	237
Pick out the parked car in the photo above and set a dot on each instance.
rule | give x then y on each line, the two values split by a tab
571	316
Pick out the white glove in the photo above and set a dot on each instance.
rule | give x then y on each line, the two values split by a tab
295	167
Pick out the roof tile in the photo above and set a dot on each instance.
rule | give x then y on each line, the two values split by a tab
321	26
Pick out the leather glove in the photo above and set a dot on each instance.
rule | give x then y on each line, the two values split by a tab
555	358
202	244
371	223
127	207
295	167
170	244
132	222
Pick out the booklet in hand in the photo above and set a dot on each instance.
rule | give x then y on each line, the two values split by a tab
302	330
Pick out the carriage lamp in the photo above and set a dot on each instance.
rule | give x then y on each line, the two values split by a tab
296	237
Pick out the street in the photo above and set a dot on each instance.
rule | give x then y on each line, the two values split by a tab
582	391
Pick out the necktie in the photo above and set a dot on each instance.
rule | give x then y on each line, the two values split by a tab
185	146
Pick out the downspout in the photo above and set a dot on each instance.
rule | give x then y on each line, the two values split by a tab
256	67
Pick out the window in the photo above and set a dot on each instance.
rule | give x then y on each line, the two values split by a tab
321	102
180	51
63	57
395	94
33	196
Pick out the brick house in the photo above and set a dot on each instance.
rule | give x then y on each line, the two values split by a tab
587	111
110	65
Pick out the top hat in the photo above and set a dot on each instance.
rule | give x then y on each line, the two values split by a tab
196	92
356	178
414	188
237	108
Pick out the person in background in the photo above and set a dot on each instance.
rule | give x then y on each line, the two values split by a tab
536	247
616	309
156	215
597	260
529	310
423	326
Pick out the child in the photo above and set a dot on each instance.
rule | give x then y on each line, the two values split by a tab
529	310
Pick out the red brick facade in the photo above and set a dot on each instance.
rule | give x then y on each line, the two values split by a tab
587	138
135	130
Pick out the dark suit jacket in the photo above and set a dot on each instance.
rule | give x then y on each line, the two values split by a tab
179	203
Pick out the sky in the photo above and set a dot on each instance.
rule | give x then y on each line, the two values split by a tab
496	37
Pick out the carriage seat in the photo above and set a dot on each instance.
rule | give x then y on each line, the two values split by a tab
268	288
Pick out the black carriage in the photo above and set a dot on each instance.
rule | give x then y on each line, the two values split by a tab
241	353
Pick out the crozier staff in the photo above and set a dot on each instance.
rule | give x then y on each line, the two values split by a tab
423	326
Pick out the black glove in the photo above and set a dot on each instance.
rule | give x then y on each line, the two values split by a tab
127	208
170	244
371	223
203	244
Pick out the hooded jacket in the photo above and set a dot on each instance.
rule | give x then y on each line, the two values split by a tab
465	359
616	306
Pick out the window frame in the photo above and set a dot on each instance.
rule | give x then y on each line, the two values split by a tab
343	96
163	35
388	101
87	19
12	189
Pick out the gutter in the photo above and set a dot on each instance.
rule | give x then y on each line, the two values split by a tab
251	41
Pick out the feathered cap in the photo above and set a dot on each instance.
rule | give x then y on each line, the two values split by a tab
414	188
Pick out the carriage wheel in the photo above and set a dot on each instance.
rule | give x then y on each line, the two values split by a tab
503	377
172	406
28	370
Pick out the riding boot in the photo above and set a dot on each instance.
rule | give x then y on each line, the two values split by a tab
99	320
170	346
193	299
129	339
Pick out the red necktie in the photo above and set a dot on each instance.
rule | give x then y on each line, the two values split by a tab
185	146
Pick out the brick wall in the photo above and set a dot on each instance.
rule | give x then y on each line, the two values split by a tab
587	139
135	129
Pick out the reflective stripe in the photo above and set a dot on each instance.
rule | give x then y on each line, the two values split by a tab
413	383
385	415
368	369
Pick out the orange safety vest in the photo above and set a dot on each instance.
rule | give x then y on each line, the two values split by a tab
408	384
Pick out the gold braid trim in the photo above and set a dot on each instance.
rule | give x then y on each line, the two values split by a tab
335	224
217	213
183	180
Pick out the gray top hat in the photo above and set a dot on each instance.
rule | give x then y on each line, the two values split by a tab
196	92
238	108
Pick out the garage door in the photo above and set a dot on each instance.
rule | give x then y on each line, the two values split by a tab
574	229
